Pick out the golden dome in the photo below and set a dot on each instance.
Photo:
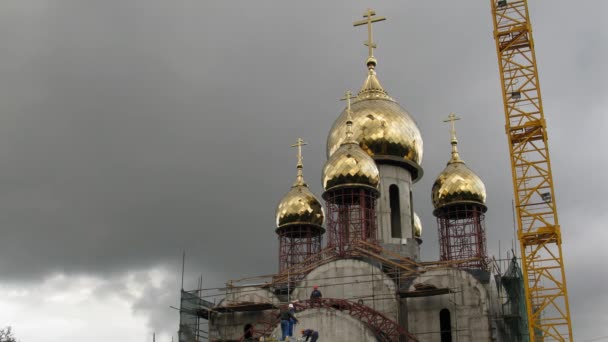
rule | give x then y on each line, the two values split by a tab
381	126
458	184
299	206
417	226
350	165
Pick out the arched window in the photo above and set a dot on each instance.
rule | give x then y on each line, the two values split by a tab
393	192
248	330
412	212
445	325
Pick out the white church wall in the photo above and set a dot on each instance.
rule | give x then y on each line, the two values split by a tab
469	307
230	326
251	294
355	280
332	325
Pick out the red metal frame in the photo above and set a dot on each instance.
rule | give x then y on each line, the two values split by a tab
351	216
385	329
462	234
297	244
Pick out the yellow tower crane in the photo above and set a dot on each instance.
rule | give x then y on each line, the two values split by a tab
538	228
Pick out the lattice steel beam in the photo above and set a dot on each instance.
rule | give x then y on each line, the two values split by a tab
538	227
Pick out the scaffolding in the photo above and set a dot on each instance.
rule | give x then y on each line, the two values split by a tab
351	216
507	313
298	244
514	305
462	234
193	313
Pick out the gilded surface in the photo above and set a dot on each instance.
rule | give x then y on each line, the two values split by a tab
299	206
350	165
417	226
381	127
457	183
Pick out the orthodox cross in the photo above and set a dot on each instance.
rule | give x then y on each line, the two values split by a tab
452	118
299	145
349	120
369	21
348	96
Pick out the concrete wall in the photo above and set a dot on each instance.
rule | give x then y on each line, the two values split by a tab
389	175
332	325
354	280
469	306
230	326
250	294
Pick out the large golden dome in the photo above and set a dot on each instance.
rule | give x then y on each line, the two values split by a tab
299	206
381	126
417	226
458	184
350	165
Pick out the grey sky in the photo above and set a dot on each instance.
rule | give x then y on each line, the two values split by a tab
133	129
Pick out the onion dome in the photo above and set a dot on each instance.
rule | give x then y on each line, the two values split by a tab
381	126
299	206
417	226
458	184
349	165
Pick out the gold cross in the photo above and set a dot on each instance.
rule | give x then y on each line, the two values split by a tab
348	95
299	145
370	42
452	118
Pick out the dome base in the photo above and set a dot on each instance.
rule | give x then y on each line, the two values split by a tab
455	209
299	230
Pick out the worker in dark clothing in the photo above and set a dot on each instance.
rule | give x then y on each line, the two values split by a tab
315	294
292	321
286	316
310	334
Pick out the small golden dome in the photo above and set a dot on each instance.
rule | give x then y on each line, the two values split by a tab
382	127
417	226
300	206
350	165
457	184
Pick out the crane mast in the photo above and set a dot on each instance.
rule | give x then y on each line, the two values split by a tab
539	232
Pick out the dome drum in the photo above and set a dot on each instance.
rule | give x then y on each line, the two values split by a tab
416	171
350	194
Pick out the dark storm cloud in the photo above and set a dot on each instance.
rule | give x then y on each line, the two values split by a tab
134	129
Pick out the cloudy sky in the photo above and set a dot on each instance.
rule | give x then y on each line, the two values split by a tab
131	130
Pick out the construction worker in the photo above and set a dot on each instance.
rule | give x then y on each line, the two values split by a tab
315	294
292	321
310	334
285	317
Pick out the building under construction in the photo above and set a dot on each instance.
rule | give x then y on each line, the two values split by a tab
362	247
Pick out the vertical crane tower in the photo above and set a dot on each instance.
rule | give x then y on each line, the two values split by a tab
538	227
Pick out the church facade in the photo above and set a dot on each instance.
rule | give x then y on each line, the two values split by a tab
362	247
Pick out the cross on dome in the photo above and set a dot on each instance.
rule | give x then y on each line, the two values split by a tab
349	120
452	118
370	19
300	178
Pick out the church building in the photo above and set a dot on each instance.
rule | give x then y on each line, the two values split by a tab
359	242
